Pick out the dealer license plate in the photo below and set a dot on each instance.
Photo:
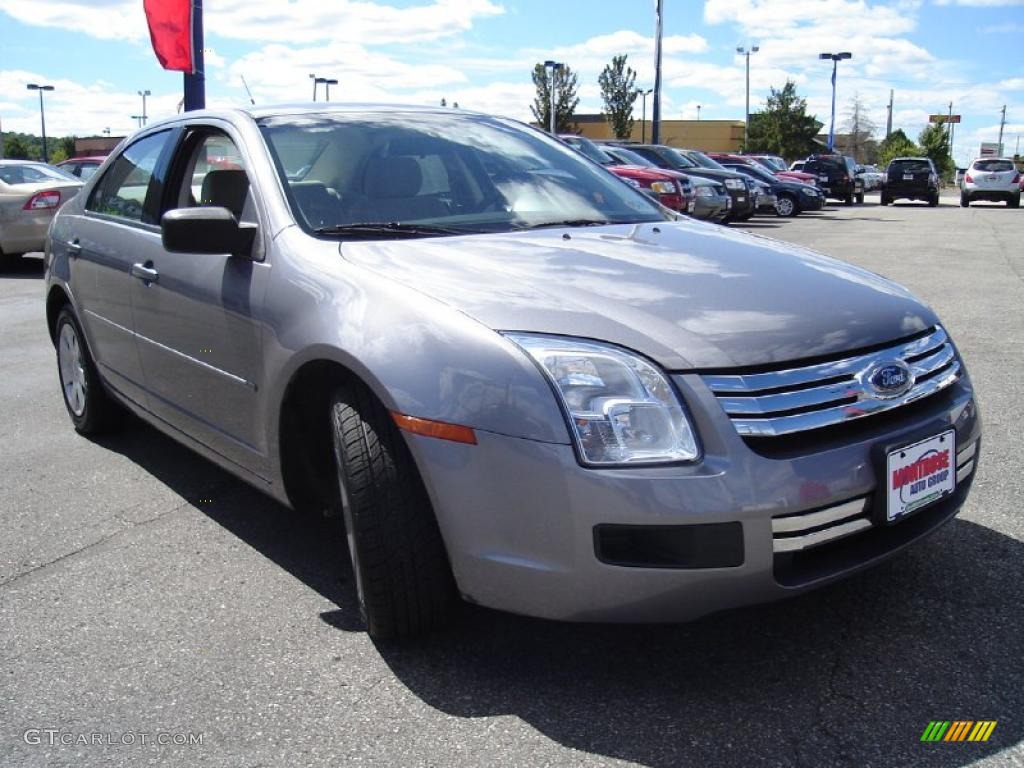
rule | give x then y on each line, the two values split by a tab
823	178
908	177
920	474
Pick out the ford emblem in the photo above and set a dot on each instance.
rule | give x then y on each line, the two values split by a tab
889	379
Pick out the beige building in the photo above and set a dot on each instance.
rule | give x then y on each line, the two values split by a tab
86	146
706	135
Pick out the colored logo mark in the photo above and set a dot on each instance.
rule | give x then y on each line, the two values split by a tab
958	730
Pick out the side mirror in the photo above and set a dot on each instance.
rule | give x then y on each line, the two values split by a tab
206	230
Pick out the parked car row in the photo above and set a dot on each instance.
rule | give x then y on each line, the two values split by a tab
720	188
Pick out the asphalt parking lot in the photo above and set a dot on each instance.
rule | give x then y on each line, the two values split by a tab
144	592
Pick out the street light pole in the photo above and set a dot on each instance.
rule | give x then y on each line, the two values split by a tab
555	67
698	113
42	113
836	58
746	120
315	81
643	114
138	120
144	94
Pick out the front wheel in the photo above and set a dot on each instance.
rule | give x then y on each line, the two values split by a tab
884	199
785	205
90	408
849	199
403	581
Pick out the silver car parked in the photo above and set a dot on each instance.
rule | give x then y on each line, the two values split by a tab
509	376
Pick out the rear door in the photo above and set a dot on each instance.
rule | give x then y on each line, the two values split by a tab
198	316
118	228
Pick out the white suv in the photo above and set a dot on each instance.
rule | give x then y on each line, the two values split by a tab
991	178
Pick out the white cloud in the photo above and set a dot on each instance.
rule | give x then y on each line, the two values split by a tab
759	18
980	3
103	19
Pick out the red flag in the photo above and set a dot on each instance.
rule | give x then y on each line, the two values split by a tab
170	29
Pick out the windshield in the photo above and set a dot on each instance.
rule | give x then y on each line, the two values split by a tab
589	149
699	158
772	162
754	171
629	157
993	166
33	173
444	173
677	159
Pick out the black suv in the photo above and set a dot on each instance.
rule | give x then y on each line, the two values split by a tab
911	177
837	177
676	160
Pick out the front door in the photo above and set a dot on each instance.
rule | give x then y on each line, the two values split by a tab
198	316
117	229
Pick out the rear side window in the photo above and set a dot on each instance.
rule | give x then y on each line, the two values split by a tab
993	166
123	190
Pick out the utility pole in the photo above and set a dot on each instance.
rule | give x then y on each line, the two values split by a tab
656	106
1002	124
746	115
888	120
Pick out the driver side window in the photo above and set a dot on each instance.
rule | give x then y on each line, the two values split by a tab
214	175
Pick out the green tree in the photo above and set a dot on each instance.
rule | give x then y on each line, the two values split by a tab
783	127
896	144
934	141
619	92
15	148
566	99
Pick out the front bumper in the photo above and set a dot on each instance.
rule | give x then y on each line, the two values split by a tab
519	518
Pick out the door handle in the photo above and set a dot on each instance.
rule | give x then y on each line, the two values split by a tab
74	248
145	272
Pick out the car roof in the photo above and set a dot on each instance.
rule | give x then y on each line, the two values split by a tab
895	159
15	161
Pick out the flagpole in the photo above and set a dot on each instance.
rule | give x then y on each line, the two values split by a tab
195	81
656	108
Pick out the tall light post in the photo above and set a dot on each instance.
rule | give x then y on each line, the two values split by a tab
746	119
144	94
315	82
42	113
643	114
698	113
554	66
138	119
836	58
328	82
656	105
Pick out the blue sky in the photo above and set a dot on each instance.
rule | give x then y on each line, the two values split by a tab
480	53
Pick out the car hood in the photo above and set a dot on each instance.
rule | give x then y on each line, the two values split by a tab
687	294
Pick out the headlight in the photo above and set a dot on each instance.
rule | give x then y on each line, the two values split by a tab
734	183
664	187
632	182
621	409
808	191
703	191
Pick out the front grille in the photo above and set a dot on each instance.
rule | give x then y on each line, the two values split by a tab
793	400
793	533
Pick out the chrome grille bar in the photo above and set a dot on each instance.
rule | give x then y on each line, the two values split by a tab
799	399
794	533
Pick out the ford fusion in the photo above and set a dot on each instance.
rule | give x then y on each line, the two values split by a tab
511	378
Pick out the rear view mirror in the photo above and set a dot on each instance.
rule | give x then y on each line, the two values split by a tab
206	230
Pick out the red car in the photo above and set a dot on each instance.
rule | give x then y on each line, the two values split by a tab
82	167
670	188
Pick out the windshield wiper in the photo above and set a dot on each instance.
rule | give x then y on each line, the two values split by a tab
569	223
369	229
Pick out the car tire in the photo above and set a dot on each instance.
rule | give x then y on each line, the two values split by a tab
1013	202
933	201
403	580
965	201
849	199
89	406
884	200
786	206
860	198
